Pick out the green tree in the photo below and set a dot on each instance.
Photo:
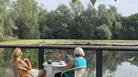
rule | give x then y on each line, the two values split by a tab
130	28
103	32
63	14
56	23
89	17
44	30
76	23
27	19
103	16
117	30
6	19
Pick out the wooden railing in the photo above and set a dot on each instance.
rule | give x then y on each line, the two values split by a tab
98	48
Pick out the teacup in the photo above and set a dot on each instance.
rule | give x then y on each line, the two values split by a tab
49	61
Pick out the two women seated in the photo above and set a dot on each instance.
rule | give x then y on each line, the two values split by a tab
23	66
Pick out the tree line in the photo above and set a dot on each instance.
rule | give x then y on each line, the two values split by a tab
25	19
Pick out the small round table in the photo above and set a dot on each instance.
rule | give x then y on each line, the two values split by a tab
53	68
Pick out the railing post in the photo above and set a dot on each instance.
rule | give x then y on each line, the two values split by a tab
41	57
99	63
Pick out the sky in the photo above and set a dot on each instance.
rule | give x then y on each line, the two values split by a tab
124	7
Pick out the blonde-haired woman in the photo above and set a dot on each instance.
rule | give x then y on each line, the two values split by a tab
22	66
78	61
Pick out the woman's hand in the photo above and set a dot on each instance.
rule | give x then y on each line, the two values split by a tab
25	59
27	63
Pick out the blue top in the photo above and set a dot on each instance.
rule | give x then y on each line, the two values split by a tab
77	62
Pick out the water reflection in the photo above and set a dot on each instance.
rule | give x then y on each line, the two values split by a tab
120	64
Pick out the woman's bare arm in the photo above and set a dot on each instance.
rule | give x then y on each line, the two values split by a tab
28	63
22	68
24	64
69	65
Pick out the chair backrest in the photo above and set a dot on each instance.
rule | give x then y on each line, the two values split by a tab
80	72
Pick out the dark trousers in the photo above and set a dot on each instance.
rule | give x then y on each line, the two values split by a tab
59	74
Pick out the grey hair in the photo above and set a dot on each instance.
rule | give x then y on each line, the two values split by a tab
79	51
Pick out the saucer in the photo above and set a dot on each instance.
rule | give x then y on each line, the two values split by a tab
62	62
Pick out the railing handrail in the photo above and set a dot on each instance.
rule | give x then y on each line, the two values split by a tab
101	47
98	48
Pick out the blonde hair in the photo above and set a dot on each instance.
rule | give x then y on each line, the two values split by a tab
79	52
16	53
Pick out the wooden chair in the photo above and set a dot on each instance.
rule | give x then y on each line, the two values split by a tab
18	74
79	71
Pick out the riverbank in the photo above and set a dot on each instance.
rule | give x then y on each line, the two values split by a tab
68	41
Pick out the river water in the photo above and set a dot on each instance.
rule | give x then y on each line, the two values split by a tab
116	64
125	69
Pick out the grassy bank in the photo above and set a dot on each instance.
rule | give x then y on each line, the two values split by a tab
66	41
